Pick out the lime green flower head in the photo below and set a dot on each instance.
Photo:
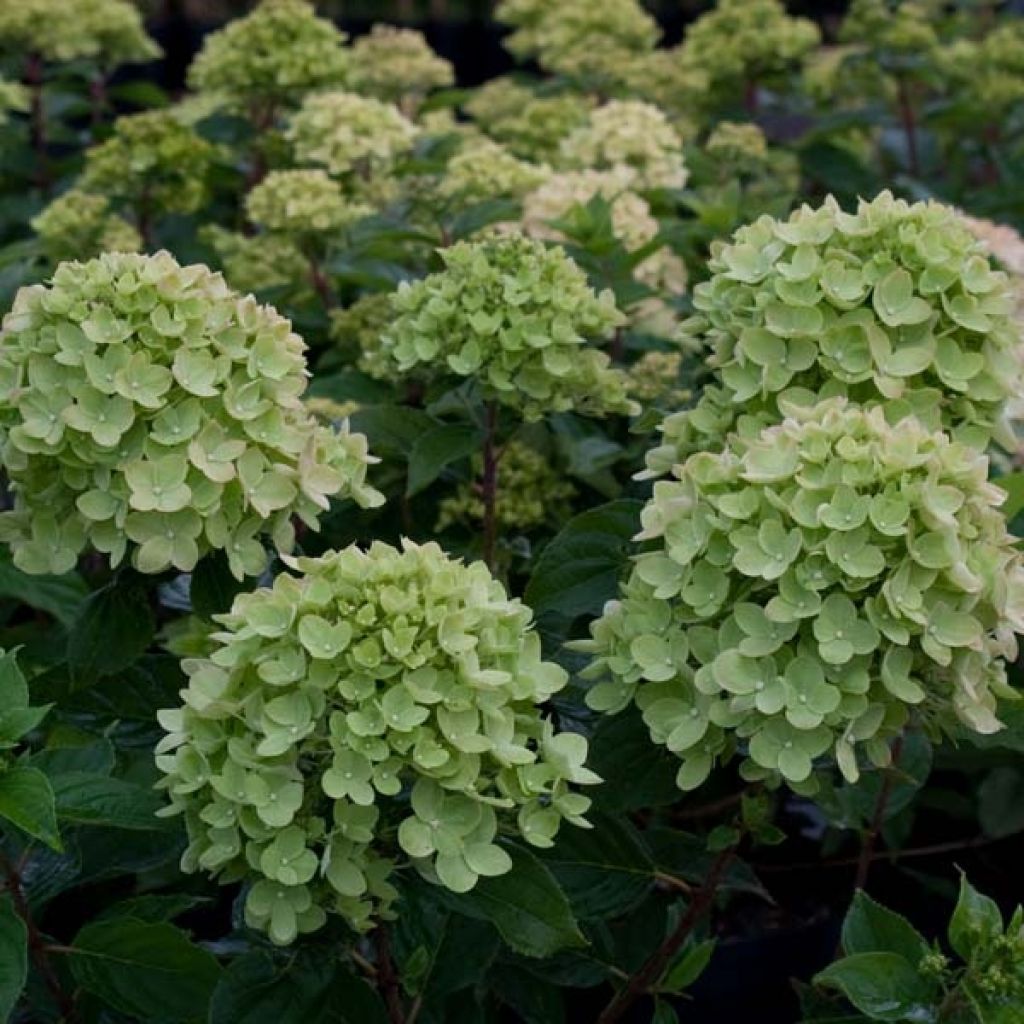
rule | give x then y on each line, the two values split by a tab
483	169
106	32
496	100
517	316
301	203
272	57
895	305
397	65
531	493
357	329
671	81
13	98
81	225
256	263
152	161
632	134
148	408
535	128
380	707
655	378
987	73
743	41
344	132
577	38
812	593
892	28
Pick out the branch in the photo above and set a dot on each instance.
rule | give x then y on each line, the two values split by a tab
870	840
489	485
648	975
37	944
387	976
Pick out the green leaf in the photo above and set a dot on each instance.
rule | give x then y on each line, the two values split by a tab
212	587
579	570
13	688
436	449
13	957
975	921
1001	802
689	966
532	1000
257	989
26	800
1013	484
392	430
883	986
152	972
89	799
59	596
526	905
112	631
605	870
871	928
472	219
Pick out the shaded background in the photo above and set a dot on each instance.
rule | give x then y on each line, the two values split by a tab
463	31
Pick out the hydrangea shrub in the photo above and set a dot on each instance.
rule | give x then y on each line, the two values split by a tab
378	708
80	225
148	409
272	57
895	305
811	593
517	316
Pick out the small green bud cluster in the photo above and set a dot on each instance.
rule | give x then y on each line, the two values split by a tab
275	55
810	590
531	493
894	305
357	331
577	38
630	134
146	404
397	64
379	707
535	127
988	73
152	161
483	170
346	133
654	378
300	203
80	225
739	42
905	28
517	316
256	263
107	32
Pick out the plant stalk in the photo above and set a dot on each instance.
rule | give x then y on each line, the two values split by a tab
37	121
874	830
37	944
649	974
909	119
387	976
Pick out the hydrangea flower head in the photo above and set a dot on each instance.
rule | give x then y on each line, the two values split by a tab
377	708
301	202
80	224
343	132
631	134
397	64
148	409
895	304
810	593
483	169
517	316
274	56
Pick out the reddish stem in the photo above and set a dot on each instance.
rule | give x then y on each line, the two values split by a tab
650	973
37	121
387	976
909	120
874	830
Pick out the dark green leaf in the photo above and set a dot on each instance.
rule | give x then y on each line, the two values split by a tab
664	1013
532	1000
604	870
1001	802
392	430
256	989
112	631
152	972
637	773
13	688
689	965
212	587
1013	484
579	570
472	219
871	928
13	957
975	921
526	905
88	799
26	800
59	596
436	449
881	985
152	908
